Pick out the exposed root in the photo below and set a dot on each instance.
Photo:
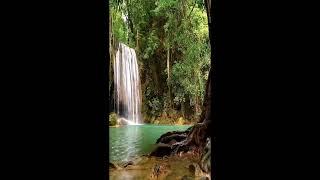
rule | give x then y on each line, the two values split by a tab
177	142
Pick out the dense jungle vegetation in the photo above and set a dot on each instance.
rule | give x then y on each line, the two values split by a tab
173	49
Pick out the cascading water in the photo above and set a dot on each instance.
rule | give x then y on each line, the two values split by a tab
127	85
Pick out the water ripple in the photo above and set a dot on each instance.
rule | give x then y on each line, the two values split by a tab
129	141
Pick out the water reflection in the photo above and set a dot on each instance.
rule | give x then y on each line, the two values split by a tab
129	141
133	135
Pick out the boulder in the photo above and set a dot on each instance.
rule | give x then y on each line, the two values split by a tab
122	121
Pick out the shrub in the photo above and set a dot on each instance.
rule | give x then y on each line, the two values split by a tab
112	119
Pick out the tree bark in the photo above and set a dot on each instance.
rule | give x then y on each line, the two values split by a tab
196	137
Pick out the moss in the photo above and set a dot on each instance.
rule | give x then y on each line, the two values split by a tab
113	119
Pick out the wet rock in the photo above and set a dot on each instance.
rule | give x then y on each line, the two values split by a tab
113	166
195	169
122	121
125	164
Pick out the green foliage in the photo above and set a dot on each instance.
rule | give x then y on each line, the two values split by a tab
153	44
156	105
119	28
112	119
178	25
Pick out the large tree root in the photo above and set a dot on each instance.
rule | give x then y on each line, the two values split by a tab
194	140
177	142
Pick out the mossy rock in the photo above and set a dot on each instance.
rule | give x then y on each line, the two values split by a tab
113	119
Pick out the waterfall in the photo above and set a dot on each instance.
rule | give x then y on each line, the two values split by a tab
127	85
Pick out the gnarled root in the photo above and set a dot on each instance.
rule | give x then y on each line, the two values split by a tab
177	142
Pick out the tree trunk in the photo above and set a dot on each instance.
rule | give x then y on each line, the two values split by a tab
130	24
137	39
195	138
168	81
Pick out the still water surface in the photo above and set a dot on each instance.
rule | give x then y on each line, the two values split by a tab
132	140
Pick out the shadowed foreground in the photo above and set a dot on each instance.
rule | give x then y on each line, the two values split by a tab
184	167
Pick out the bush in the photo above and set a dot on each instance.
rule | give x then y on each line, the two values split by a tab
112	119
156	106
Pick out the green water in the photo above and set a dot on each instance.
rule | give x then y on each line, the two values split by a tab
129	141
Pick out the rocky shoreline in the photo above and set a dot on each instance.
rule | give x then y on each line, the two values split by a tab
168	167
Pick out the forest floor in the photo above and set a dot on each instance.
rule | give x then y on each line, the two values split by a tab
175	167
